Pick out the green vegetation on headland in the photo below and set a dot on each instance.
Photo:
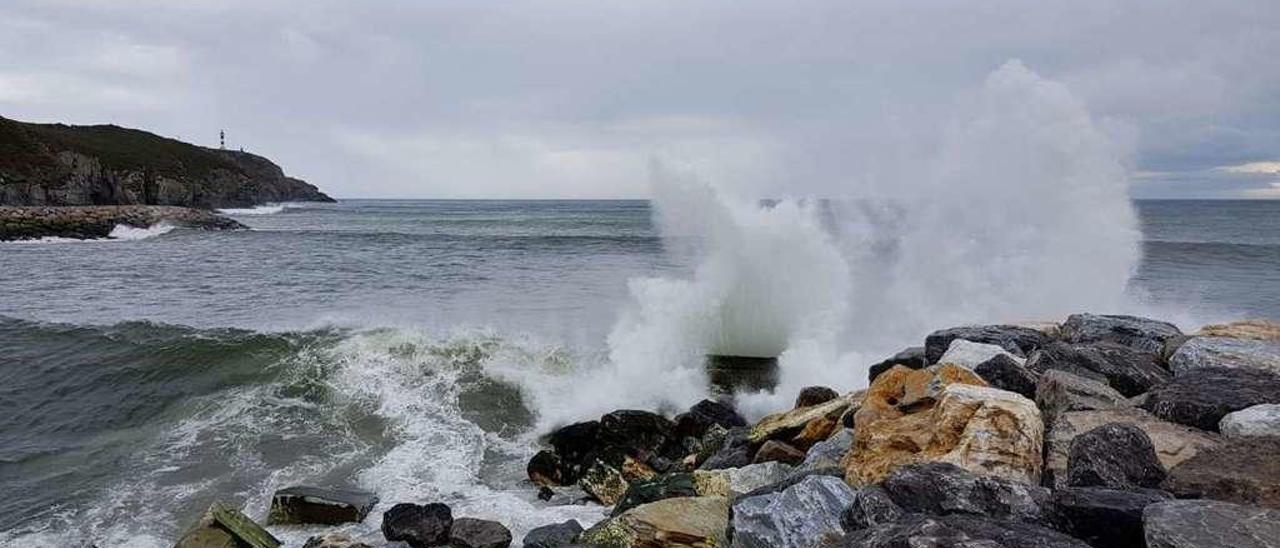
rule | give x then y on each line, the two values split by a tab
1102	431
62	165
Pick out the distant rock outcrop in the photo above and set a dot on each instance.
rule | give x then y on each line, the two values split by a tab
59	165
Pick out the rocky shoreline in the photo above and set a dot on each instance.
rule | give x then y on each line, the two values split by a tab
1102	431
95	222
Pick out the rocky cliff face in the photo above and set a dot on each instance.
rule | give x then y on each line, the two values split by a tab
55	164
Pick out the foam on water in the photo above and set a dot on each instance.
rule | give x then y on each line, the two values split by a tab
269	209
119	233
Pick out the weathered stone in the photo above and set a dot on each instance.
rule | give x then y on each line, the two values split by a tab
663	487
777	451
958	531
732	451
1245	471
546	468
603	482
1058	392
910	358
1259	420
871	506
1142	334
334	540
731	482
675	522
555	535
1129	371
1115	456
900	391
787	424
703	415
940	488
1199	352
1004	372
804	515
815	431
298	505
1201	397
795	477
814	395
220	524
1062	357
1173	443
636	432
1105	518
984	430
1262	330
1020	341
1210	524
633	470
418	525
479	533
828	453
969	354
575	445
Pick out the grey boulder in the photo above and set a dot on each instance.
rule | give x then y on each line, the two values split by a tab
804	515
1116	456
1210	524
554	535
1135	332
479	533
938	488
1226	352
1202	397
1105	518
1018	340
1259	420
1058	392
959	531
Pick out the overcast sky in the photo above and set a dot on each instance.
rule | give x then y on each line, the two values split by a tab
571	99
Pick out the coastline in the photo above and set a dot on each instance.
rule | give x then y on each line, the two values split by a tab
95	222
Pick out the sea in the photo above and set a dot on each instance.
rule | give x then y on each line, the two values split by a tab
418	349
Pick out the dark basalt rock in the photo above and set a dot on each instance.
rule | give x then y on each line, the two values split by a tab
774	450
1105	518
333	540
1019	341
553	536
1063	357
546	468
937	488
814	395
1243	470
418	525
575	444
298	505
871	507
734	452
662	487
1129	371
1142	334
1210	524
911	358
731	374
1004	373
958	531
1201	397
479	533
1116	456
639	433
695	422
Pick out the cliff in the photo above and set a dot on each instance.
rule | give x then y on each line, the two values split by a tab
56	165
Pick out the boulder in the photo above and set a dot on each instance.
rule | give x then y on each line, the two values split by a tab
776	451
815	431
1115	456
575	444
871	506
911	358
1018	340
334	540
546	468
937	488
958	531
1058	392
1129	371
969	354
984	430
222	525
300	505
1259	420
900	391
732	450
682	521
732	482
705	414
1263	330
781	426
1173	443
478	533
728	375
828	453
1061	357
1201	352
418	525
814	395
1245	471
801	516
638	433
667	486
1105	518
555	535
603	482
1006	373
1201	397
1142	334
1209	524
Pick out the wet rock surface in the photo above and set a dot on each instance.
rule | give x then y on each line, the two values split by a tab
95	222
1006	373
1116	456
959	531
298	505
478	533
1210	524
419	526
554	535
942	488
1201	397
1143	334
1105	518
1018	340
803	515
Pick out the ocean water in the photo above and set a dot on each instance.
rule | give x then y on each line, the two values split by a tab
417	348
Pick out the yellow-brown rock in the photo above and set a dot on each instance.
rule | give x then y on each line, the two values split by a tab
634	470
782	426
1245	329
984	430
815	431
902	390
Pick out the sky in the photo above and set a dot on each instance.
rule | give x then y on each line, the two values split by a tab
574	99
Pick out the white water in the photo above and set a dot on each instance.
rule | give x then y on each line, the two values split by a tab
119	233
269	209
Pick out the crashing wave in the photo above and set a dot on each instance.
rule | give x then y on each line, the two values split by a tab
121	233
268	209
